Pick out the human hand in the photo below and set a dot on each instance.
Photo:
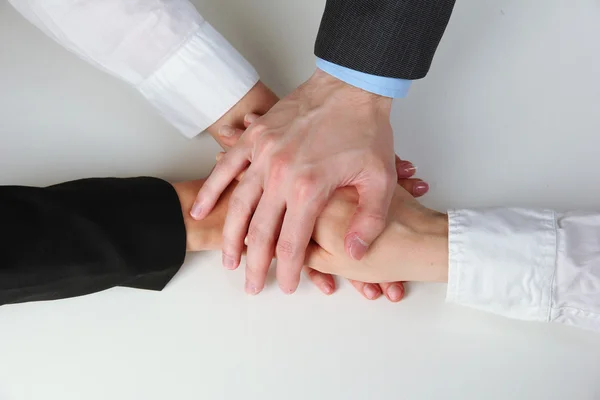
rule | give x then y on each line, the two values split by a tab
325	135
393	291
412	247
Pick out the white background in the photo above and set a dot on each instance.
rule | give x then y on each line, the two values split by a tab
509	115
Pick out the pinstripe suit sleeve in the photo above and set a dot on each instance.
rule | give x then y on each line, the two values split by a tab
391	38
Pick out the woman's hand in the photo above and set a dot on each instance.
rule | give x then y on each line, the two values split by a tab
413	246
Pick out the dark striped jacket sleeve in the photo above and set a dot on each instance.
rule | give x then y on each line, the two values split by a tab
392	38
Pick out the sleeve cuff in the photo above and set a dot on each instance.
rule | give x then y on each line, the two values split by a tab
502	261
199	82
381	85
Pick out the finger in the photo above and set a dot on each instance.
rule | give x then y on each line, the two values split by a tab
242	203
370	291
324	282
231	165
416	187
394	291
296	231
220	157
261	238
249	119
369	220
229	135
404	169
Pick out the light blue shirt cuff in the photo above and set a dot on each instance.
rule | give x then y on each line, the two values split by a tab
381	85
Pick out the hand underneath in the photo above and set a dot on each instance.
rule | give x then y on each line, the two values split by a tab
325	135
393	291
412	247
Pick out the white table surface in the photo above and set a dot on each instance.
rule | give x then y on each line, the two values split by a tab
509	115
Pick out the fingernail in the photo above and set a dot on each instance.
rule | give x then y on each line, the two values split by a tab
228	262
358	247
196	211
395	292
226	131
407	168
251	289
370	291
287	290
327	288
421	188
250	118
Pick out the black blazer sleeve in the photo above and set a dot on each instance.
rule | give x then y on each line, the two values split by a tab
88	235
392	38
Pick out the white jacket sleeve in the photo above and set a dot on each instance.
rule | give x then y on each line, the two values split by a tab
529	264
165	49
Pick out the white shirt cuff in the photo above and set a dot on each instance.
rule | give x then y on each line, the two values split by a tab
503	261
199	82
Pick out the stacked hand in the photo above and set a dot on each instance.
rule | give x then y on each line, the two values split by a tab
412	247
324	136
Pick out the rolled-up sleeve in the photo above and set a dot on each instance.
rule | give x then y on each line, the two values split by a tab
164	49
534	265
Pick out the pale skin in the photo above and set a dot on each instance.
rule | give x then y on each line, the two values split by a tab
228	130
323	136
412	247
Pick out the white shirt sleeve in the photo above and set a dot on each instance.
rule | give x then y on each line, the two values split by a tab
528	264
165	49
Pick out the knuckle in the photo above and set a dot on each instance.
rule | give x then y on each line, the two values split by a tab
266	142
238	206
374	219
306	187
258	128
286	249
256	236
279	166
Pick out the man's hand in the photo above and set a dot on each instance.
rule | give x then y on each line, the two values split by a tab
325	135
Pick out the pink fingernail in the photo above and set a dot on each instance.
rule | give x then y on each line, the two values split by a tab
421	188
228	262
226	131
327	288
196	211
250	118
408	168
370	291
395	292
358	247
251	289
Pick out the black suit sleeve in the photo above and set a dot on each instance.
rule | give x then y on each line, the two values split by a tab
88	235
392	38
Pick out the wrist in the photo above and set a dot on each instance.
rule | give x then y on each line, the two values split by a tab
258	100
426	251
321	80
200	235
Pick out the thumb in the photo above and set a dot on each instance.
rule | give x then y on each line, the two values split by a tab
370	218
